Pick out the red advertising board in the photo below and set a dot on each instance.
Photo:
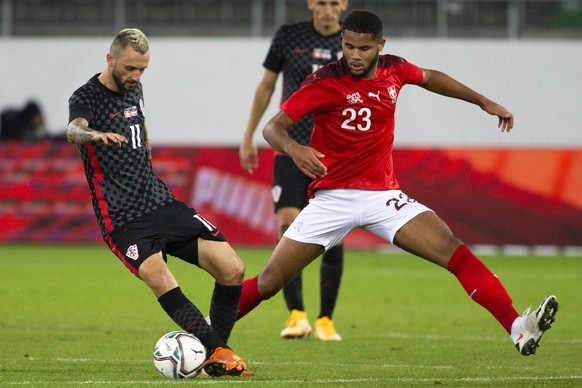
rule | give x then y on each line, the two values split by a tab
485	195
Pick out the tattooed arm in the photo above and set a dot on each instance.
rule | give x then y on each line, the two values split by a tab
78	132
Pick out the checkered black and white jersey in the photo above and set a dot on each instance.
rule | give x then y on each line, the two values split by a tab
122	182
298	50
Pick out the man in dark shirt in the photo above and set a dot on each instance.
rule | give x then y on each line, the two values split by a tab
297	50
140	219
23	124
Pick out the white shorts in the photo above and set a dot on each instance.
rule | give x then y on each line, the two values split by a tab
332	214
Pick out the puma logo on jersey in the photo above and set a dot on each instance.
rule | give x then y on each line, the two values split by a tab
376	96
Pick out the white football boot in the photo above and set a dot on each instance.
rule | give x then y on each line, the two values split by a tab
528	329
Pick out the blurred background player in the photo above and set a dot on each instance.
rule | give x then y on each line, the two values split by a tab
297	50
140	219
23	124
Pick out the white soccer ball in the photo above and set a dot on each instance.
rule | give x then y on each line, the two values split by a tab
179	355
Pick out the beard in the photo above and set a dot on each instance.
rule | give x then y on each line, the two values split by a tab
365	72
122	86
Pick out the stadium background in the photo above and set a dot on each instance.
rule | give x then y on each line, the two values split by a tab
503	192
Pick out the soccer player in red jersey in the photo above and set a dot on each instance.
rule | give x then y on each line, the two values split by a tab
350	161
140	219
296	51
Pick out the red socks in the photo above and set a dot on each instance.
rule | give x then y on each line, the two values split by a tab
250	297
482	286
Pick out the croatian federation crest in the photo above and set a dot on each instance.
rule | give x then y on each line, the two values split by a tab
132	252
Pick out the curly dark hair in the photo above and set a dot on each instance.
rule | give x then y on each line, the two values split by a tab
364	22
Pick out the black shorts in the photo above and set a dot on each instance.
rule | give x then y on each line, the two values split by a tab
289	184
173	229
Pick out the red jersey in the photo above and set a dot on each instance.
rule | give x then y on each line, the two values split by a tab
353	122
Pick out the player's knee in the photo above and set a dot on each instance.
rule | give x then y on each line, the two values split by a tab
157	276
233	273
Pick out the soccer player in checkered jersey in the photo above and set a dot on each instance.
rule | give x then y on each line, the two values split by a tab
297	50
140	219
350	159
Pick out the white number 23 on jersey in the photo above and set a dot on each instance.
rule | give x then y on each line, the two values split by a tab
359	120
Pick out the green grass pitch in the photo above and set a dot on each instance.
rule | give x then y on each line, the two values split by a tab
74	316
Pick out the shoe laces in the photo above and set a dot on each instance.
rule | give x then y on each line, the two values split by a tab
529	322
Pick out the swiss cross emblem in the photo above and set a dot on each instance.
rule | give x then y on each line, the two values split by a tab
392	93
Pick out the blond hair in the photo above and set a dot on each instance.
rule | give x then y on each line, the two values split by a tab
132	37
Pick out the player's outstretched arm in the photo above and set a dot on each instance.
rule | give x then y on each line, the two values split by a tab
438	82
78	132
306	158
505	116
